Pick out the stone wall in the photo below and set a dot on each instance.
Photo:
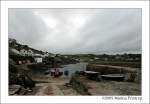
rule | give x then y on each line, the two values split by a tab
79	85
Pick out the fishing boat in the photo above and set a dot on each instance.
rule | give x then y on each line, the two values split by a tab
116	77
91	75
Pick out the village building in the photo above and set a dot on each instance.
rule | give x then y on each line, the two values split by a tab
23	52
38	59
30	52
96	58
46	54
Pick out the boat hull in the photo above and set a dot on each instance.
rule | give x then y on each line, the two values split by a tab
114	77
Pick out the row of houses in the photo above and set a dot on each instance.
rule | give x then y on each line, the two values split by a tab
38	58
30	52
20	51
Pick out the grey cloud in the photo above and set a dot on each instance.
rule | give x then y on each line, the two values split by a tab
69	31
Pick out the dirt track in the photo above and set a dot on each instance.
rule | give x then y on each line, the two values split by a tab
54	87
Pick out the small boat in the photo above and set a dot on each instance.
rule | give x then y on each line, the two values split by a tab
116	77
91	75
91	72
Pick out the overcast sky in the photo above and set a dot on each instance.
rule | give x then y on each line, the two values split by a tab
71	31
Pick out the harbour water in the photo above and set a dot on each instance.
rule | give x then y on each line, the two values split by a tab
72	68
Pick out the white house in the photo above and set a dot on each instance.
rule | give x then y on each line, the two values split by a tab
37	55
38	59
25	52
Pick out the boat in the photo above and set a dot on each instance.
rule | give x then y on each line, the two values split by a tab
91	75
116	77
